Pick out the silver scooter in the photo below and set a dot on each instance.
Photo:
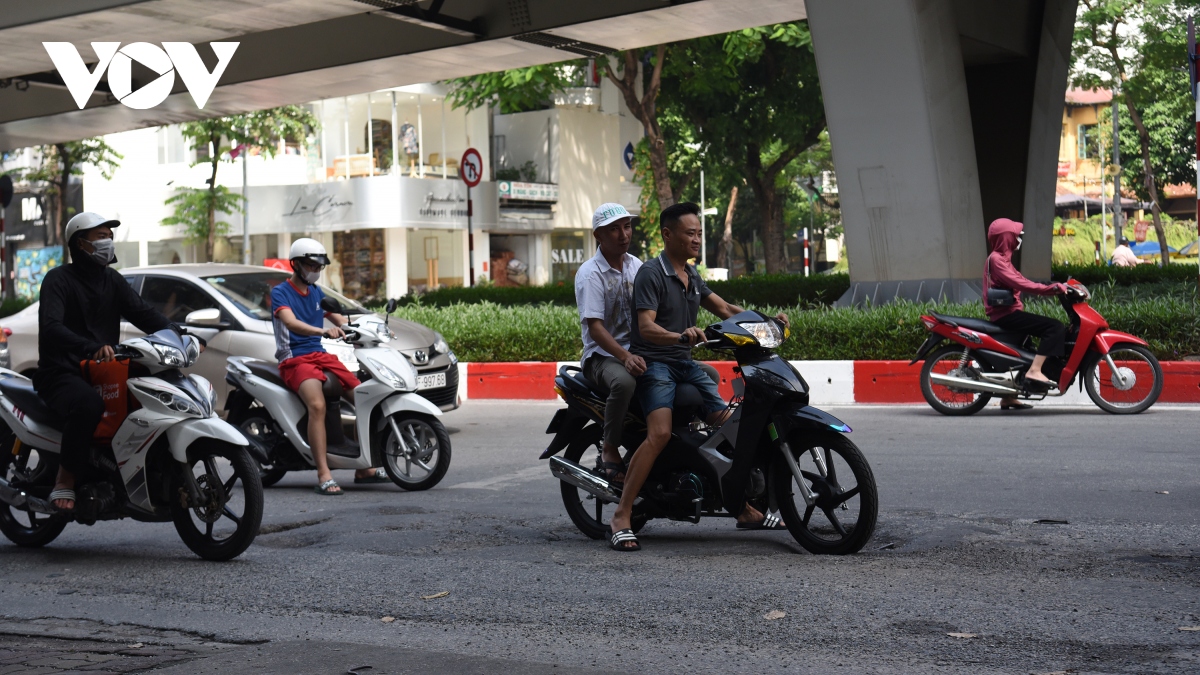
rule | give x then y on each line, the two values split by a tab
389	424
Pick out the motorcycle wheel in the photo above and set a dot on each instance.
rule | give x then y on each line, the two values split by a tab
221	533
30	472
948	401
424	457
1130	397
587	512
257	423
842	518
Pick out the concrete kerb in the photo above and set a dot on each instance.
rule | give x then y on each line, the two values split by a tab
831	382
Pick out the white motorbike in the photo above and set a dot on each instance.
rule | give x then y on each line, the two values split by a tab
172	459
389	424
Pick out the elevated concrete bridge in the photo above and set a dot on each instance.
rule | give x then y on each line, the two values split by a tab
944	114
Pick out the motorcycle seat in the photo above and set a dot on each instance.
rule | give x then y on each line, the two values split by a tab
977	325
686	395
25	397
266	371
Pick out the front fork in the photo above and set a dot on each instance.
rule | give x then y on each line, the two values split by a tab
810	497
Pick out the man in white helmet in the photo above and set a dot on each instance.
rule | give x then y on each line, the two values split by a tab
79	318
299	326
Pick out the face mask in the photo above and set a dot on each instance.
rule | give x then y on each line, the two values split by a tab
102	251
310	277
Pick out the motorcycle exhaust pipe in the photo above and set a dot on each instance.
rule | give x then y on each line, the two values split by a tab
572	474
972	385
20	499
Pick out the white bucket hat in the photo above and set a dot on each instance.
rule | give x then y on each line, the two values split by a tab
609	213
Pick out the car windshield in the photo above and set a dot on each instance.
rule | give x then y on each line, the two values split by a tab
250	292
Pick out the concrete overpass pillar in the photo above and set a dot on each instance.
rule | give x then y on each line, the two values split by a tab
943	115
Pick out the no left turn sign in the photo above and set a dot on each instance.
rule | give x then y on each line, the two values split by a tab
471	167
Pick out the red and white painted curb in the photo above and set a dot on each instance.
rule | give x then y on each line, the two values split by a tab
831	382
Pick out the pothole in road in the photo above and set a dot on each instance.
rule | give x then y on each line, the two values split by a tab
275	528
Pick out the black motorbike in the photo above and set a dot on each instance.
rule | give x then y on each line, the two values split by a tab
775	451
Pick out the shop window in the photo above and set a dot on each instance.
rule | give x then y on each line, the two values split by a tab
363	262
567	252
510	259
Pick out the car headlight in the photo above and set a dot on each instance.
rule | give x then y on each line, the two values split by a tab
439	345
170	356
766	332
386	374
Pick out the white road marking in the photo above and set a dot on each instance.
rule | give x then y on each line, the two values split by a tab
499	482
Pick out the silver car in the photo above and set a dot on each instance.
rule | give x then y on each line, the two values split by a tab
229	306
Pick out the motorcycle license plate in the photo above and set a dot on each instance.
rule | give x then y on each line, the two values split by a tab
431	381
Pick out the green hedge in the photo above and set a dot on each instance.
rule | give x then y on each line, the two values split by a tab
1166	315
762	289
10	307
781	290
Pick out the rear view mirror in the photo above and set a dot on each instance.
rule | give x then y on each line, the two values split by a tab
391	305
332	306
210	317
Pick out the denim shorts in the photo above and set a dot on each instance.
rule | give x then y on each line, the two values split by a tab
656	386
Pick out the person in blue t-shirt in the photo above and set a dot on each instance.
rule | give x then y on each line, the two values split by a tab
299	325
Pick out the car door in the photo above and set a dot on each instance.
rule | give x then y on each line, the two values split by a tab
176	297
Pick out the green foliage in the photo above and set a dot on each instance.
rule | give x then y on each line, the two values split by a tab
1167	316
11	306
192	207
516	90
58	163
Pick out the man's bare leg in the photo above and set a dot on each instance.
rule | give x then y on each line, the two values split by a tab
658	433
313	396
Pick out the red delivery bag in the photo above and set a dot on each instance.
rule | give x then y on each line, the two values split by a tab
109	379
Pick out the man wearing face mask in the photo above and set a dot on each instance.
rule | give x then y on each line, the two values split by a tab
304	364
79	318
1004	238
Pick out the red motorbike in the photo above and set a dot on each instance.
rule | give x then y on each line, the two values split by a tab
984	360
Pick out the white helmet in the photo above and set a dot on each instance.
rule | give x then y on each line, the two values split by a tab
87	221
309	249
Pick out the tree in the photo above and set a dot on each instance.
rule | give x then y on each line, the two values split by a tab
524	89
197	208
1138	48
755	99
58	163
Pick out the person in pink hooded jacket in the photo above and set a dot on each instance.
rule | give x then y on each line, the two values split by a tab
1004	238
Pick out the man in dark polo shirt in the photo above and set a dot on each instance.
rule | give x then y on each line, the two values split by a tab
667	295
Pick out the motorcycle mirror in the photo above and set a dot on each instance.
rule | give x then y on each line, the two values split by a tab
391	305
330	305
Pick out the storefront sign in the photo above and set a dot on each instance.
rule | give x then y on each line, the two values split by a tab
535	192
367	203
567	256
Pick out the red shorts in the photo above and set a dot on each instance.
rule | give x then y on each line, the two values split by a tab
297	369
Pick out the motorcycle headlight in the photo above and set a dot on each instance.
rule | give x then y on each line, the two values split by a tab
766	332
439	345
170	356
386	374
180	404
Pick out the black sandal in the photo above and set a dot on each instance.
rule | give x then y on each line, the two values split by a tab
612	470
622	537
1015	406
770	521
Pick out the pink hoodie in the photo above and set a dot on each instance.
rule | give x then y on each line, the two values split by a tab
1002	239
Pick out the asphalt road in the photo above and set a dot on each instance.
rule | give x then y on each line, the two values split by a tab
958	549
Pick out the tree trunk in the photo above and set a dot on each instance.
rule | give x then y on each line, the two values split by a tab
774	245
644	110
725	253
1151	183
